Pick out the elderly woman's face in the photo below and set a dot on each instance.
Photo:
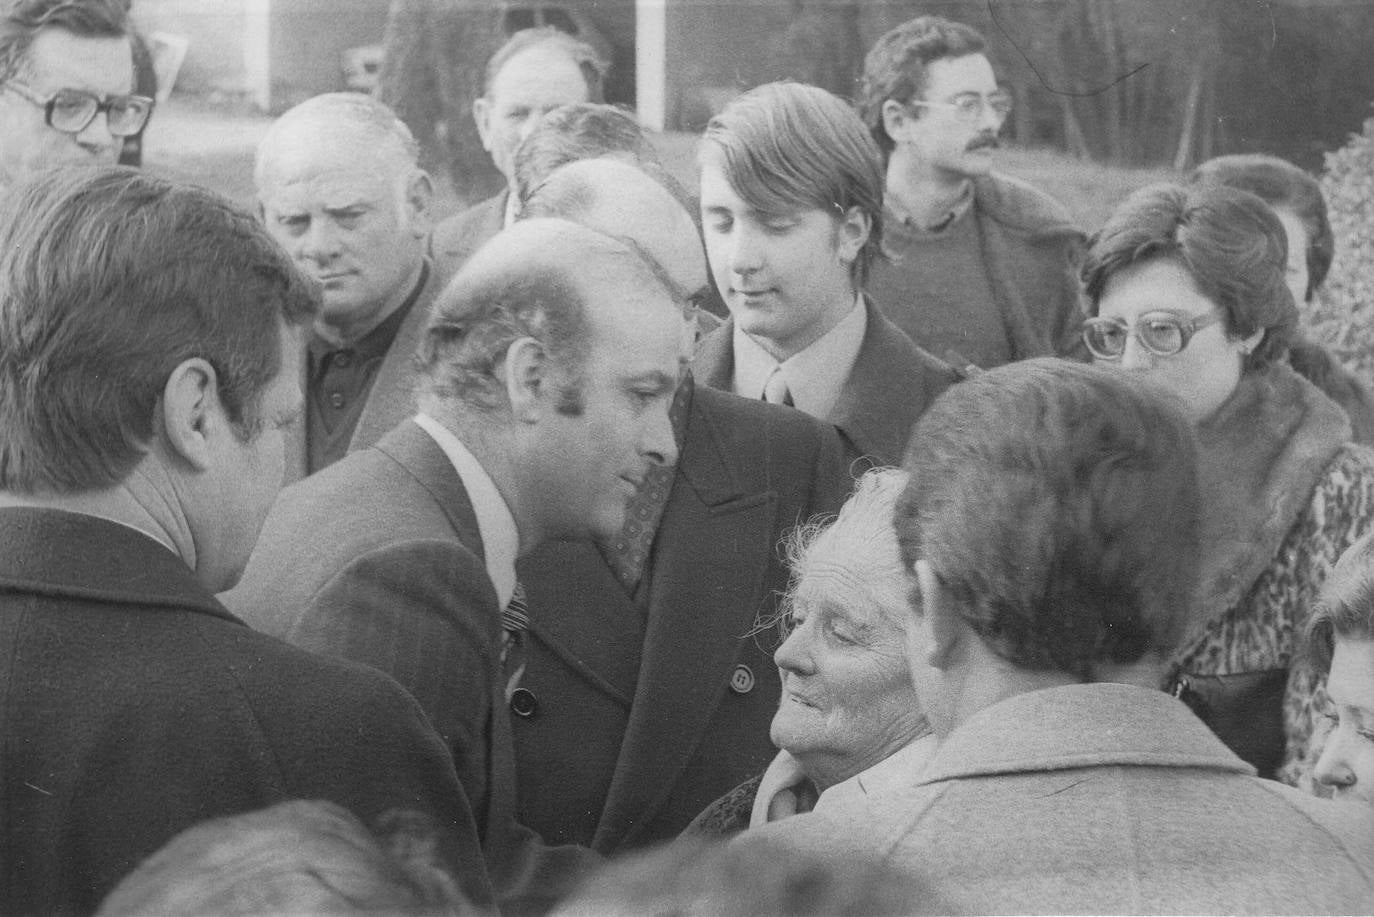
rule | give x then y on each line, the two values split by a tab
1206	370
1347	760
847	698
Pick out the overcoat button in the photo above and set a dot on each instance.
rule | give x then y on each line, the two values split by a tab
742	679
524	703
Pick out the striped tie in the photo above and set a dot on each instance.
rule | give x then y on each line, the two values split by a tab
515	621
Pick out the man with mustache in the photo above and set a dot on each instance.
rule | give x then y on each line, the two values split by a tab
982	269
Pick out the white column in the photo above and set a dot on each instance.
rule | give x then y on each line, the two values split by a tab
257	51
651	62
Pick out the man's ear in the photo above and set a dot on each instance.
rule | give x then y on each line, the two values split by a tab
938	617
526	368
419	197
191	412
852	233
481	113
896	118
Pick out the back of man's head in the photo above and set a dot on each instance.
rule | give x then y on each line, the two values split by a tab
109	279
21	21
624	201
1057	504
788	147
523	283
571	133
895	68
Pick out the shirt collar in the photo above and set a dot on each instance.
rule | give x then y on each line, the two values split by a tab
958	208
816	375
500	538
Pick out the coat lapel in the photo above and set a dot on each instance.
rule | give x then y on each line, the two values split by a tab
713	541
603	640
892	383
392	398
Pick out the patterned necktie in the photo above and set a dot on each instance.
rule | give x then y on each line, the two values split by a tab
515	622
629	553
775	390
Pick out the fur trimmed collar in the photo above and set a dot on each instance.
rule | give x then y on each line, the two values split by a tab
1260	457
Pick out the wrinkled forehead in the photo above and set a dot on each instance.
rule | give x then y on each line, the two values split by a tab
845	585
317	162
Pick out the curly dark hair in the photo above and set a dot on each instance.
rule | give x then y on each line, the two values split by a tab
895	67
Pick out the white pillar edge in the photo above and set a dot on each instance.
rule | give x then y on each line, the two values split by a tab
651	63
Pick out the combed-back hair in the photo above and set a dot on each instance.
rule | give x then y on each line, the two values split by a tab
1345	608
1230	243
22	20
587	58
786	147
351	119
895	67
110	278
1057	502
522	283
571	133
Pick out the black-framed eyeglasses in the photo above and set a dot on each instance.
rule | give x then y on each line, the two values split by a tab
969	106
72	110
1161	333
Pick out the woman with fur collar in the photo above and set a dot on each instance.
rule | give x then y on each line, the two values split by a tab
1187	287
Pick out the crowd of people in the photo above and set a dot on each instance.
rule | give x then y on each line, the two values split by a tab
851	533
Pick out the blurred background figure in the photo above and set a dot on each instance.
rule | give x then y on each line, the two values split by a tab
1341	636
700	878
534	72
299	857
66	85
849	723
979	263
1187	288
1297	201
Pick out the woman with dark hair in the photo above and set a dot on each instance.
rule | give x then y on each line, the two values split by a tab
1298	203
1186	286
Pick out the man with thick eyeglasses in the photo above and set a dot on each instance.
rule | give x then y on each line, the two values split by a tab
66	78
982	268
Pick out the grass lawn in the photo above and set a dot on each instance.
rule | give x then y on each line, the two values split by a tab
213	147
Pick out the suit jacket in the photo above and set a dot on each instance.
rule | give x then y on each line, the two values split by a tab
457	237
392	397
135	705
638	723
891	385
1099	799
378	559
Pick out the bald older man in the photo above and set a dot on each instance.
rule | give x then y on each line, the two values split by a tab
546	368
646	692
339	187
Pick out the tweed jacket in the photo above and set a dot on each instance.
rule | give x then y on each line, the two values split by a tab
1031	250
392	397
457	237
643	710
1100	799
378	559
891	385
135	705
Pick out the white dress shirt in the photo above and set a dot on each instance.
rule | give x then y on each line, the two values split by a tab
500	538
815	376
